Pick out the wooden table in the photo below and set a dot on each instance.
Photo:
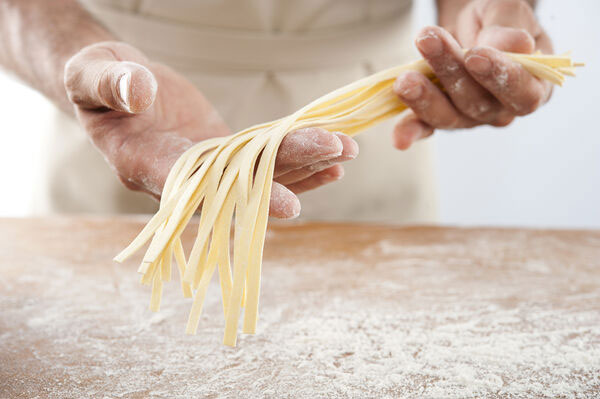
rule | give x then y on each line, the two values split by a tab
346	311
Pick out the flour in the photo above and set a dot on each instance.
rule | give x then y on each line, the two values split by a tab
397	317
458	86
348	348
283	202
501	76
309	141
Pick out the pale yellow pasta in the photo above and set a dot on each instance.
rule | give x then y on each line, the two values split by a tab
231	178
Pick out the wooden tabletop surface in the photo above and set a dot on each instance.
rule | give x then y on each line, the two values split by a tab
346	311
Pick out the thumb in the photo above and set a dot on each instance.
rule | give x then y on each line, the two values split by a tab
508	25
506	39
96	78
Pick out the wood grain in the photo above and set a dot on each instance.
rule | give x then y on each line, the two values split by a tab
346	311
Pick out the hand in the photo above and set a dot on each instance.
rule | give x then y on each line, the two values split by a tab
482	86
142	116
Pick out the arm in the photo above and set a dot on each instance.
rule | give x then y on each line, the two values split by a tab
36	40
482	86
142	115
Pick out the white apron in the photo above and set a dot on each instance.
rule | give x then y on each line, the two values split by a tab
257	61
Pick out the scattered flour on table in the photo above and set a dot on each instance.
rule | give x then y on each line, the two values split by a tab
452	337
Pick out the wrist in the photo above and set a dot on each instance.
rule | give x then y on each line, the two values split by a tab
448	11
93	35
38	37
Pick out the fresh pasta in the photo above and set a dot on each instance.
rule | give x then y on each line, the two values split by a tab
230	179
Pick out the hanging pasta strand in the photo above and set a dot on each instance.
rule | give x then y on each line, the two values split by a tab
230	178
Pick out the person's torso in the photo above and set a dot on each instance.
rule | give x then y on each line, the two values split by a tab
259	60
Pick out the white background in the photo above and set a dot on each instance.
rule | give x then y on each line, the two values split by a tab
543	170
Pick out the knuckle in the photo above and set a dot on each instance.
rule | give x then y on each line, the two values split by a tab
452	122
481	111
503	79
447	121
406	84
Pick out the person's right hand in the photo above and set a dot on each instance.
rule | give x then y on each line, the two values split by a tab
142	116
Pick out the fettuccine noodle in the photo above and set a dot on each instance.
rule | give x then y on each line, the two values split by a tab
231	177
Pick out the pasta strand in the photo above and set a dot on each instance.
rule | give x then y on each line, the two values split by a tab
231	178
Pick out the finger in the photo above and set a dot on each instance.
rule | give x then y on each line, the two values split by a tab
544	44
283	203
513	40
410	129
519	91
305	147
321	178
94	79
446	58
349	152
428	102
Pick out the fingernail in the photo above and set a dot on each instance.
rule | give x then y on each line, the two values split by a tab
350	150
124	83
402	142
408	90
479	64
430	44
335	174
295	209
328	150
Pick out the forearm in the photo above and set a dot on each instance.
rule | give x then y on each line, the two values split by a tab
37	37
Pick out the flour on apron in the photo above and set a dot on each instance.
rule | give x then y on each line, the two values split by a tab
257	61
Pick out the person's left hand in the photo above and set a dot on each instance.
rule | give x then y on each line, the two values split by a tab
143	115
482	86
